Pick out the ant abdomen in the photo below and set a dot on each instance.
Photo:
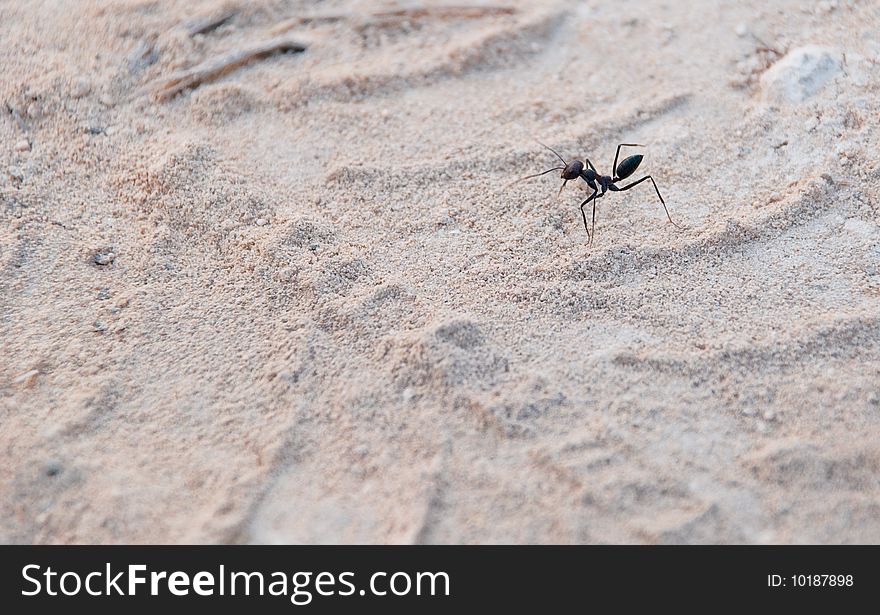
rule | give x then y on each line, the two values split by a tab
628	166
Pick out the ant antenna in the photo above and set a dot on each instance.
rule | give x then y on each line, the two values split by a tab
561	159
538	174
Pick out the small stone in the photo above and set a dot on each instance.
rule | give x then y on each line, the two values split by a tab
15	173
742	29
27	379
34	111
874	398
81	87
52	468
123	302
22	145
106	100
99	326
749	412
769	415
104	258
110	131
261	222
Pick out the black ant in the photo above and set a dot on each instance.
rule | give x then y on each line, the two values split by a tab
602	183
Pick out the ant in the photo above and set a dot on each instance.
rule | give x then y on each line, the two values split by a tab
602	183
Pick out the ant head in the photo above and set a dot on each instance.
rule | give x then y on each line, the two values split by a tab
572	170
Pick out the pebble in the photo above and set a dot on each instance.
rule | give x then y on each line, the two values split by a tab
34	111
261	222
81	87
824	7
749	412
769	415
742	29
23	145
27	379
104	258
874	398
52	468
99	326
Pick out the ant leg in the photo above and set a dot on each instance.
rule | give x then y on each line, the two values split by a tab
594	216
617	154
583	213
636	183
537	174
590	164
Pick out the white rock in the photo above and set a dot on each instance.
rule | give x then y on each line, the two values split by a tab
34	111
22	146
801	73
28	378
104	258
81	87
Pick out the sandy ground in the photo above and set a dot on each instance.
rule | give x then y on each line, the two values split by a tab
302	302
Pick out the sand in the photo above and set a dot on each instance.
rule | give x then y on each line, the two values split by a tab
301	300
